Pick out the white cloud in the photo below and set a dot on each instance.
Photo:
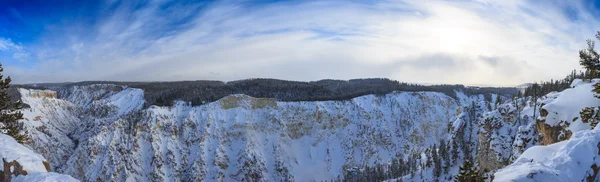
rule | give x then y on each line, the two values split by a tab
417	41
8	45
17	50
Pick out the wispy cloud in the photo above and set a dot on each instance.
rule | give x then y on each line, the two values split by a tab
483	42
8	45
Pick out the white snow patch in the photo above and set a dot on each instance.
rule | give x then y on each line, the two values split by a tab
576	82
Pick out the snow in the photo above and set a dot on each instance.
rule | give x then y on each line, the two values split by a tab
541	153
576	82
566	105
312	140
569	160
48	122
126	101
11	150
457	124
44	177
239	135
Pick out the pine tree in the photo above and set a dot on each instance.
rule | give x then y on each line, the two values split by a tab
429	160
437	163
454	151
445	155
9	112
589	58
469	173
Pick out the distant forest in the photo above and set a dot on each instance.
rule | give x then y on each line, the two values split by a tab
200	92
540	89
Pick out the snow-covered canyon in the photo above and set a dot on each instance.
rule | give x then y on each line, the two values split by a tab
103	132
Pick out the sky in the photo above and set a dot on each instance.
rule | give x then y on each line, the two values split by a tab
472	42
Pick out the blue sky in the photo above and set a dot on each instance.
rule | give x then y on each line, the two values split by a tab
480	42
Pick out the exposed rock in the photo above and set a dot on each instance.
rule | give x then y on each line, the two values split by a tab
6	174
552	134
38	93
47	165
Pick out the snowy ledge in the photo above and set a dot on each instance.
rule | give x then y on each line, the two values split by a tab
567	105
570	160
33	163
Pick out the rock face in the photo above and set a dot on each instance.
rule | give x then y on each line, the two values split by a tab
10	169
551	134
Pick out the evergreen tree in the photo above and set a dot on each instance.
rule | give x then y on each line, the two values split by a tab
498	100
437	163
428	160
589	58
469	173
9	112
445	155
454	151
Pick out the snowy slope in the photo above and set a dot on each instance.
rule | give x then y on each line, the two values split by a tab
564	107
576	159
48	121
44	177
10	150
32	162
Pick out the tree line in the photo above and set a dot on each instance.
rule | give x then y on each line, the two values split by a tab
545	87
203	91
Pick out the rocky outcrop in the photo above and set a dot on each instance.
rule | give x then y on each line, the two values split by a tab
551	134
32	93
561	112
10	169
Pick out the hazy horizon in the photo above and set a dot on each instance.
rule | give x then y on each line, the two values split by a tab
226	81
